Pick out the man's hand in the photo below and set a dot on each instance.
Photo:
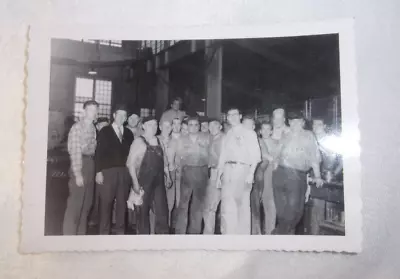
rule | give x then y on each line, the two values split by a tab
79	180
99	178
219	179
250	178
168	181
318	181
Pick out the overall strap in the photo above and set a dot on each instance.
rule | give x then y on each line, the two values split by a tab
145	141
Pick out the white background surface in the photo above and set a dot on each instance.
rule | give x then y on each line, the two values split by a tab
377	45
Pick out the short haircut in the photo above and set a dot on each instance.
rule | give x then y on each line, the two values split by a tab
90	103
324	120
265	122
120	107
248	117
179	99
185	122
193	118
233	108
176	119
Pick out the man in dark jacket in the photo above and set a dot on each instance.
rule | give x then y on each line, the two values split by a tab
112	176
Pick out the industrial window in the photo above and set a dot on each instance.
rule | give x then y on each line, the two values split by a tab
105	42
157	46
88	89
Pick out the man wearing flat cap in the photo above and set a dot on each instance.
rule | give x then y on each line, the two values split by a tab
112	177
298	154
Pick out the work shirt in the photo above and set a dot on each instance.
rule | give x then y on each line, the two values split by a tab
240	145
215	150
299	151
269	147
192	153
81	141
171	114
279	132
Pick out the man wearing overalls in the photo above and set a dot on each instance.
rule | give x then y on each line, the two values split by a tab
148	166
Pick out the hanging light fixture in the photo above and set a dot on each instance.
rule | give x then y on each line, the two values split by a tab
92	71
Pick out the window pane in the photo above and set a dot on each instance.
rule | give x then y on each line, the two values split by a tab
84	87
104	111
103	91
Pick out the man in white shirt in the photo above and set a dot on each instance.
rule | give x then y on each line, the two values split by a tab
240	155
173	112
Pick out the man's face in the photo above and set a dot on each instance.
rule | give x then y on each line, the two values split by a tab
176	125
176	105
234	117
166	127
249	124
204	127
120	117
296	124
90	112
278	118
318	127
193	126
133	120
215	128
150	127
101	125
266	131
184	129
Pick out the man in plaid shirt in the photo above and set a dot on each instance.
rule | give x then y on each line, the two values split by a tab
81	149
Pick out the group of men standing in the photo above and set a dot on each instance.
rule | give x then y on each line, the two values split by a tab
185	172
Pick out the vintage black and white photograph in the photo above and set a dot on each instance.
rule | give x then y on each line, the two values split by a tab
198	137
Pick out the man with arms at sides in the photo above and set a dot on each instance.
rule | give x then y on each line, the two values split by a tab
81	149
192	160
112	176
298	153
94	215
262	189
148	167
331	168
174	111
213	194
134	124
278	124
166	141
240	155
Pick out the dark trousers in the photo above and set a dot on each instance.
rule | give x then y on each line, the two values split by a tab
154	197
256	197
290	186
94	214
80	200
193	188
115	187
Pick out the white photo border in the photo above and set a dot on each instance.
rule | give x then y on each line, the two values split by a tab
33	239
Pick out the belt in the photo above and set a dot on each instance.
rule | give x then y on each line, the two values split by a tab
236	163
88	156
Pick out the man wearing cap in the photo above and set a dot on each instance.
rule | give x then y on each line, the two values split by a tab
112	176
148	167
213	194
174	111
81	149
298	153
279	127
204	124
240	155
192	160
